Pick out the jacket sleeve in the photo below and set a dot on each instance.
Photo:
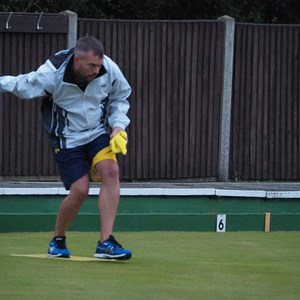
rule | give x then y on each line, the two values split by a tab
31	85
119	104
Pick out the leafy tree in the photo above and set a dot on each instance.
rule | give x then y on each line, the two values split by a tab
262	11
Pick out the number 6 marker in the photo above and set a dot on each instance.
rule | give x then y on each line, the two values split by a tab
221	223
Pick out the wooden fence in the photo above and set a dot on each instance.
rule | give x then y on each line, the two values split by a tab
265	104
26	40
175	72
175	69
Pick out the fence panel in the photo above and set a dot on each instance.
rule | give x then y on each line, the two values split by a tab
265	109
175	70
24	152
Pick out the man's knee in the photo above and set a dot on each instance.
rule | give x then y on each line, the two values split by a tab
80	188
108	170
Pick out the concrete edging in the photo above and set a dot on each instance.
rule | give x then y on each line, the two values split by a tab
161	192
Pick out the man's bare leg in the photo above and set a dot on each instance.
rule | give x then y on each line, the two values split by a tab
71	205
109	196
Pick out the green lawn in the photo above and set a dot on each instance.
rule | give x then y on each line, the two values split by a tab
165	265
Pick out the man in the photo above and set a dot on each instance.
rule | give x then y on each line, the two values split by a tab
84	114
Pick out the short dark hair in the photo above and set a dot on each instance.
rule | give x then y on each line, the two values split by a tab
89	43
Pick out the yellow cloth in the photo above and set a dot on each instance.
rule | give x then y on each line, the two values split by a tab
104	154
118	143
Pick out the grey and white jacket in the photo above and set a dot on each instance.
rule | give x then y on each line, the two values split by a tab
74	115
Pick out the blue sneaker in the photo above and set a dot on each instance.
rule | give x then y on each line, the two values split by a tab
55	250
111	249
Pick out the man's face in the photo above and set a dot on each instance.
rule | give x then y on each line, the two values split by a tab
87	66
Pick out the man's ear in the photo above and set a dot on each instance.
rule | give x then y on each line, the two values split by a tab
76	59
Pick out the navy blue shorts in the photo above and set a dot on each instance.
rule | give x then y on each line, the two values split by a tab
74	163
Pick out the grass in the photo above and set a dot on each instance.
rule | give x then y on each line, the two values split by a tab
165	265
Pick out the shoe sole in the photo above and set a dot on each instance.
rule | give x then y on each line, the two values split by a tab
108	256
58	256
